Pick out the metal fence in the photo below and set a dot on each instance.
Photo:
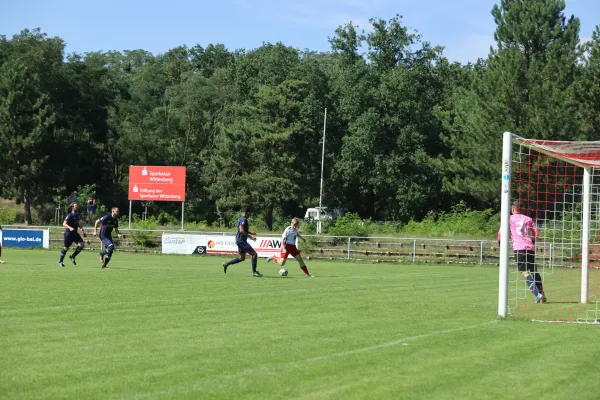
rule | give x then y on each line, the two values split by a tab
398	250
370	249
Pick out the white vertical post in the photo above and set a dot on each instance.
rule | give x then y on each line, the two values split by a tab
322	166
348	248
505	225
129	214
414	250
182	209
481	253
585	235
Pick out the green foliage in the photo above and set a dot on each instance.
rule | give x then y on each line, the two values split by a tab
84	192
165	219
142	237
526	86
589	87
9	216
385	168
347	225
460	222
408	133
265	132
566	228
45	214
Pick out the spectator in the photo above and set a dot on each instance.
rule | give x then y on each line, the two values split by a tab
91	208
72	198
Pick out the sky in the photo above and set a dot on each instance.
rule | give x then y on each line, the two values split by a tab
464	27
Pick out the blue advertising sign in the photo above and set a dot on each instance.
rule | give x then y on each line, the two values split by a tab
23	238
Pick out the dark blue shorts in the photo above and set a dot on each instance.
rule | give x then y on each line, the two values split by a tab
72	237
107	241
244	248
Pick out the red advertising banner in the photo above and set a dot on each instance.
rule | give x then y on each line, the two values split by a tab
156	183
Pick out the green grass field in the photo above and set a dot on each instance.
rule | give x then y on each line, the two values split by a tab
176	327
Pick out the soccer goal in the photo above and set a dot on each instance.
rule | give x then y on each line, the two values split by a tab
557	184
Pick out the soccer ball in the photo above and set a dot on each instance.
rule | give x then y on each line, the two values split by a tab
283	272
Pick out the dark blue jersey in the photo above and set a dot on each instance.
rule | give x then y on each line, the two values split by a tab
73	221
108	224
242	221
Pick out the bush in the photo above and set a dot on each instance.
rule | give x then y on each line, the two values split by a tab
46	214
142	238
460	222
348	225
165	219
9	216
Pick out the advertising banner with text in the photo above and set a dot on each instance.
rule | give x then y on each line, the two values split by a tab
25	238
180	243
156	183
177	243
222	245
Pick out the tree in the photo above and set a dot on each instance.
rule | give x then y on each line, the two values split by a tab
385	165
255	161
527	87
29	140
589	88
269	64
198	107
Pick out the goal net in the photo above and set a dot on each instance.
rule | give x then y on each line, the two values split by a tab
557	184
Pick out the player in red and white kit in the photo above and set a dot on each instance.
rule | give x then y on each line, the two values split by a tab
288	246
523	233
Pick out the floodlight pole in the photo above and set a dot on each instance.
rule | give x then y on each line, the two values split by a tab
322	165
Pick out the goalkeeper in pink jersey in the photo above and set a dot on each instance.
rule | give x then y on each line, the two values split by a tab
523	233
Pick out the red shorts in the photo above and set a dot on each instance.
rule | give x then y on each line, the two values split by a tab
290	249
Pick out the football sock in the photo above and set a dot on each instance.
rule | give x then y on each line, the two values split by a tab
304	269
63	253
254	260
538	281
76	252
532	285
234	261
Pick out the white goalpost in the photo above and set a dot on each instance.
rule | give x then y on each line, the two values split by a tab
557	184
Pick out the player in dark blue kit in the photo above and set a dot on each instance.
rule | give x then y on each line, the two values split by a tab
108	223
241	239
71	235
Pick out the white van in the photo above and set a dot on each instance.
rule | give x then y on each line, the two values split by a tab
312	214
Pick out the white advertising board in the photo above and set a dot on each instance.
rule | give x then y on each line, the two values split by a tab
222	245
179	243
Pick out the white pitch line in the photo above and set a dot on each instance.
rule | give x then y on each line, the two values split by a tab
253	371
